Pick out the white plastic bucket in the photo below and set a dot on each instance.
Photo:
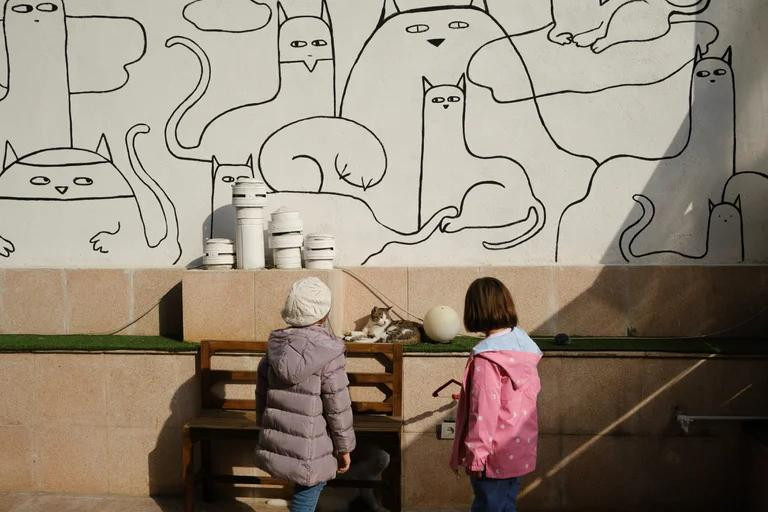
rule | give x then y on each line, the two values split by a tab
287	258
319	264
319	251
284	221
219	254
249	192
249	237
286	240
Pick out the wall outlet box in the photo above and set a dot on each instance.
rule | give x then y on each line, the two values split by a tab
447	430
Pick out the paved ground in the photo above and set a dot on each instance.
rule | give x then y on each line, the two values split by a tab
63	503
35	502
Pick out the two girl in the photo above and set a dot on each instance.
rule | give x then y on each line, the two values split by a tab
304	408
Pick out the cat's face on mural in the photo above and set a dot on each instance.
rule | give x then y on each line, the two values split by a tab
725	213
62	175
225	175
443	100
713	73
33	14
426	35
305	39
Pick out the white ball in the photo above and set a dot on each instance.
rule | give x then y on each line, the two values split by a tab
441	324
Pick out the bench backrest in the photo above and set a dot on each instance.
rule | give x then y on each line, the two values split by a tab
390	381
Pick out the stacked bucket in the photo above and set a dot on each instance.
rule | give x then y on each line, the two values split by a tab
249	197
286	238
219	254
319	251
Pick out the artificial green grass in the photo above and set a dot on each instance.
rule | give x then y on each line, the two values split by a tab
39	343
723	346
461	344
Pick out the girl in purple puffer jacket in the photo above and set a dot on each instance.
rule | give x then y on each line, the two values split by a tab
302	401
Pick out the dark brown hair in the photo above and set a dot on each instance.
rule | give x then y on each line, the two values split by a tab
488	305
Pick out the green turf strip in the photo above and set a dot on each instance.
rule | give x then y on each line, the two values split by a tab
584	344
31	342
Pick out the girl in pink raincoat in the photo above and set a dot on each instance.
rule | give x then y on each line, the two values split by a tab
496	423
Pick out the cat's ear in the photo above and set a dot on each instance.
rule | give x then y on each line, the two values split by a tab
480	4
10	156
103	148
462	83
727	56
699	54
373	310
282	17
426	83
390	9
711	206
214	165
324	14
388	308
249	163
737	202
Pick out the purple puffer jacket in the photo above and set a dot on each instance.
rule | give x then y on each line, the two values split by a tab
303	406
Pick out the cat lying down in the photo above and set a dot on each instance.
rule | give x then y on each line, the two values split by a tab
381	328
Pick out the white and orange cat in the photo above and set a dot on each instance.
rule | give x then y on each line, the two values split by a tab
306	56
600	24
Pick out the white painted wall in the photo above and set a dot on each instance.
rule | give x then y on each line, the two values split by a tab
420	133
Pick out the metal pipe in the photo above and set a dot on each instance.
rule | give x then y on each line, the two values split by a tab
685	420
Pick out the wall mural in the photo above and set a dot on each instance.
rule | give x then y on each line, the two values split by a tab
420	132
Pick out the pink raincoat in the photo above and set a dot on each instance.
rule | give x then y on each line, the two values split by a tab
497	422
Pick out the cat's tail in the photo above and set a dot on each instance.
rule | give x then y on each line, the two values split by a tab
629	235
688	9
171	237
536	212
175	147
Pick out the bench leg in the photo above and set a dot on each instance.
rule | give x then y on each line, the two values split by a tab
205	469
396	475
188	470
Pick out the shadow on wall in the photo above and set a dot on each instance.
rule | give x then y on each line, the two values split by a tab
690	208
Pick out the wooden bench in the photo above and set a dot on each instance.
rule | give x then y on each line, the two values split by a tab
223	418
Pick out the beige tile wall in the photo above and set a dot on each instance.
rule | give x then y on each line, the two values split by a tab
597	301
94	423
610	301
606	423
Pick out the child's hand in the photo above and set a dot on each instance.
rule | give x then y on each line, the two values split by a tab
344	462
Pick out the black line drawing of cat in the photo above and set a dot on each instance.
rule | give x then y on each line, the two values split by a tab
306	55
604	23
492	193
40	93
232	17
80	206
323	154
751	188
700	170
724	240
360	233
221	222
383	91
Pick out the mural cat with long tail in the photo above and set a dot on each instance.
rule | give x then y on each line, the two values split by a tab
305	47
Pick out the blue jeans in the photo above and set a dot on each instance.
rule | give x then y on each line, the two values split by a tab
305	498
493	495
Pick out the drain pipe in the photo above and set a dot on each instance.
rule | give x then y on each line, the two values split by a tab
685	420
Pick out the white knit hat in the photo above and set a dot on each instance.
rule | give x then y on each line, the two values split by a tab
308	302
